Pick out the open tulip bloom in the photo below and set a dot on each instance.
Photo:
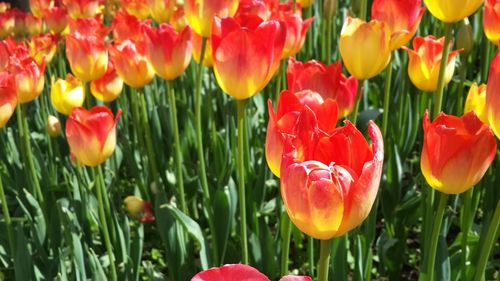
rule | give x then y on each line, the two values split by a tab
239	272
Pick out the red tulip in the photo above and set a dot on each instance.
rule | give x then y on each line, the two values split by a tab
328	81
254	7
246	53
8	97
493	96
329	181
91	134
233	272
127	27
92	27
168	51
131	64
7	48
491	20
56	19
457	152
283	122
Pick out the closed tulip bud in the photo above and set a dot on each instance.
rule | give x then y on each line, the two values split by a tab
53	126
465	37
38	6
87	56
196	40
56	19
493	96
359	40
246	54
476	101
401	19
491	20
329	182
283	121
81	9
425	62
329	8
168	51
43	48
450	11
136	8
470	147
91	134
161	10
67	94
328	81
7	23
178	19
129	59
8	97
199	13
28	76
33	24
138	209
108	87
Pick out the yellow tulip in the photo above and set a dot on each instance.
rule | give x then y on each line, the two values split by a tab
452	10
67	94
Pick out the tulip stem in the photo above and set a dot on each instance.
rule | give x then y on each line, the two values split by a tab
177	145
285	244
324	260
442	70
387	91
465	227
488	244
463	74
6	217
241	177
428	271
354	115
363	10
148	137
101	192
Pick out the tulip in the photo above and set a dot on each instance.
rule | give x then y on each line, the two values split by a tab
465	37
38	6
91	134
246	53
139	209
283	121
43	48
196	40
8	97
89	27
199	13
161	10
260	8
81	9
56	19
491	20
328	81
53	126
127	27
108	87
425	61
28	76
457	152
4	6
87	56
493	96
19	22
7	48
168	51
239	272
131	64
67	94
178	20
33	24
450	11
136	8
7	22
476	101
400	17
305	3
359	41
329	182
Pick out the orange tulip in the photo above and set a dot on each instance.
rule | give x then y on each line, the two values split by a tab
56	19
131	64
283	121
33	24
199	13
168	51
8	97
161	10
329	181
425	61
7	23
491	20
246	53
476	101
28	76
196	40
400	17
38	6
359	41
108	87
81	9
493	96
87	56
127	27
91	134
43	47
457	152
328	81
136	8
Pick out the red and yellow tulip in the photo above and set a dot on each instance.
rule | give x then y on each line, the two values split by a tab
161	10
139	209
476	101
199	13
136	8
87	56
493	96
37	7
491	20
56	19
28	76
81	9
67	94
8	97
43	47
109	86
129	59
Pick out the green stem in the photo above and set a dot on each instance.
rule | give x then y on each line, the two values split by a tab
310	254
428	272
6	217
177	146
387	92
329	36
488	244
241	178
148	138
285	244
88	95
101	192
466	213
354	114
362	12
442	70
324	260
463	75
